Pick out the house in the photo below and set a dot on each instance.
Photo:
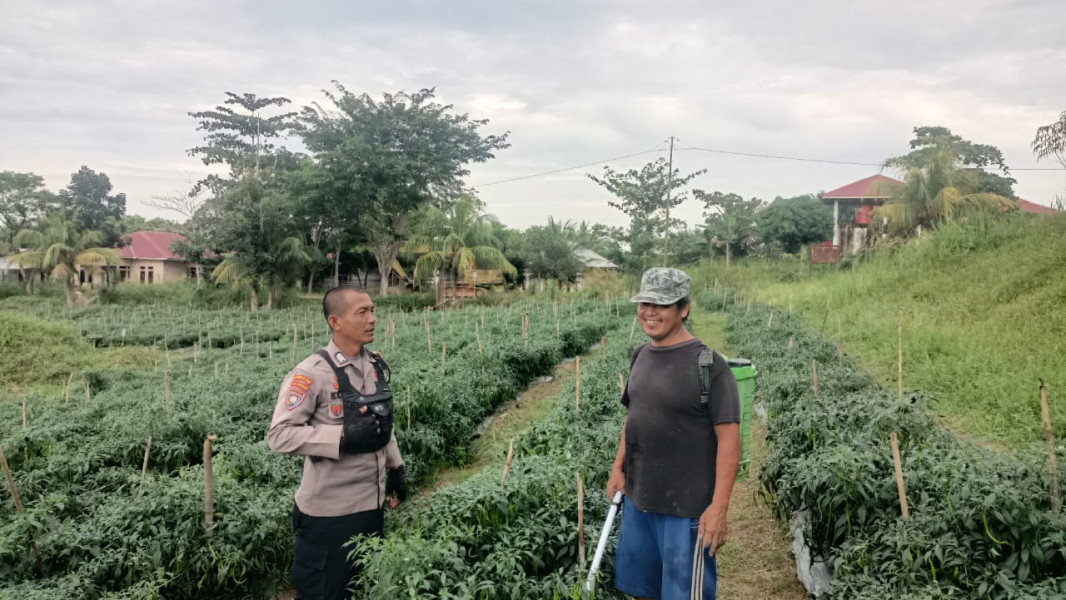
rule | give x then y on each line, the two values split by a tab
862	196
147	258
591	260
1034	208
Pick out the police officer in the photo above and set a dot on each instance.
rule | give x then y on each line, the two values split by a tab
335	409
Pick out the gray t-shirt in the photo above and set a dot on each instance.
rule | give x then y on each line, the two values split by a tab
671	447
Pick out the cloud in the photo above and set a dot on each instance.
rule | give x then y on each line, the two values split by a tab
109	84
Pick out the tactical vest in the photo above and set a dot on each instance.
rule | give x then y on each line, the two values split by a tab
378	405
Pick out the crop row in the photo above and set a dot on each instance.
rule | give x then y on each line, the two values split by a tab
77	463
981	522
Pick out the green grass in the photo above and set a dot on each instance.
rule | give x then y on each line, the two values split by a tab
41	355
984	319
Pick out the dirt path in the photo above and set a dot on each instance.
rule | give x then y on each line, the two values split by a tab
532	405
757	561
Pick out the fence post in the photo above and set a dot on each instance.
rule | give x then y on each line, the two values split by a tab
899	478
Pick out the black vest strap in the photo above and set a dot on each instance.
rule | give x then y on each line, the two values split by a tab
344	385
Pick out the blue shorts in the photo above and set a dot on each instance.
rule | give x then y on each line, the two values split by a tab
654	557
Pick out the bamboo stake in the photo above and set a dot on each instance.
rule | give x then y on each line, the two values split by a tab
577	388
66	392
899	478
209	486
144	465
18	507
24	412
826	315
558	329
621	384
443	355
294	335
580	521
899	378
408	408
1045	411
603	343
770	321
87	397
507	465
429	342
790	343
814	369
840	340
633	328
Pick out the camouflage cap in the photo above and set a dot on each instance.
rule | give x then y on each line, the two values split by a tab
662	286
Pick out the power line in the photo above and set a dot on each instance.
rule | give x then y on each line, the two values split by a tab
592	164
828	161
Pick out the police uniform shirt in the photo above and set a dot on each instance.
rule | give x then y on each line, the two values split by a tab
308	420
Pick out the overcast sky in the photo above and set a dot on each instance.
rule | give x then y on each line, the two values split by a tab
109	83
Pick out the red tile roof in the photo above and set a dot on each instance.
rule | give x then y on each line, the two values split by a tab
150	245
876	186
1033	207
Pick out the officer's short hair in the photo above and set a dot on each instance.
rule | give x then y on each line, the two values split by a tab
333	302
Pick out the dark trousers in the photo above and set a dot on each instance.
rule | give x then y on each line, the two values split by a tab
320	566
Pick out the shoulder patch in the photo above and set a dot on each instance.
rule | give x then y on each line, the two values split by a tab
340	358
299	385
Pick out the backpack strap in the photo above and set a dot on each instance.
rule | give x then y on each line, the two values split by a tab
705	361
382	367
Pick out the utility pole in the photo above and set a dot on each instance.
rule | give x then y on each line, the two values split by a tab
669	184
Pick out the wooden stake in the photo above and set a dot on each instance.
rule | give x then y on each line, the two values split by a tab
66	393
770	321
294	335
87	397
840	340
166	389
899	478
577	389
443	354
144	465
429	342
408	408
507	465
790	343
899	378
814	369
580	521
621	384
24	412
209	486
18	507
826	315
1045	411
633	328
603	343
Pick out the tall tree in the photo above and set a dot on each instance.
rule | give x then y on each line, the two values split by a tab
23	200
935	191
248	221
388	157
455	241
793	222
549	251
241	135
730	220
61	249
257	230
1050	140
645	196
931	143
90	206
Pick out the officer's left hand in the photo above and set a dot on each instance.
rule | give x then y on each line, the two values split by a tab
394	502
714	528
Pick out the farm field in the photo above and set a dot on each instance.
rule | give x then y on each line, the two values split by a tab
980	524
983	319
103	532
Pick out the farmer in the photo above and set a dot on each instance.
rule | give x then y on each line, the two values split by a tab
678	454
335	409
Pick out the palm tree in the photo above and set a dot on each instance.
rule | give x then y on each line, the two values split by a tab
234	272
935	192
456	240
61	250
282	261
